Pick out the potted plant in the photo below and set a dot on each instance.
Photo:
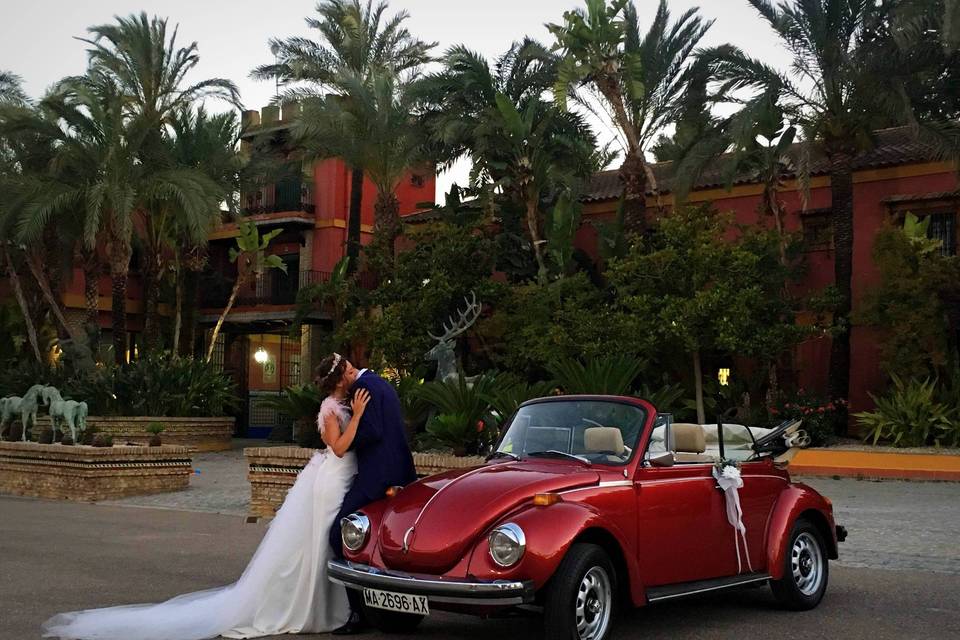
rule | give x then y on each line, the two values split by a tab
66	439
155	429
89	434
46	437
102	440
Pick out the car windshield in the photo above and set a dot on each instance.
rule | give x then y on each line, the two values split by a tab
594	431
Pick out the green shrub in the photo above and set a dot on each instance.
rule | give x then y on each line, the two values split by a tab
507	395
457	432
467	425
156	428
910	416
665	399
817	412
160	385
613	375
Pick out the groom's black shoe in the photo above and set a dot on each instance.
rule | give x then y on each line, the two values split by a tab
354	626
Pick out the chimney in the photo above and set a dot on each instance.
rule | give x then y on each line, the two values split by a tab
291	111
250	119
270	114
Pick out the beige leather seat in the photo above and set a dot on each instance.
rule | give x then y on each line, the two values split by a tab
606	440
689	443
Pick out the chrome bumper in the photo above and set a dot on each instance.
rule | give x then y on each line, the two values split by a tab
436	588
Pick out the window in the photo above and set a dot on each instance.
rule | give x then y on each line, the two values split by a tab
417	180
943	227
817	231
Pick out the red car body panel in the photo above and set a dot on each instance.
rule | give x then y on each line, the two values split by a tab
661	525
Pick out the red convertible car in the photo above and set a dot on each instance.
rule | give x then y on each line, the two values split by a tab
590	503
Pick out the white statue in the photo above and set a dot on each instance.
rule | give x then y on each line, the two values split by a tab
71	412
28	408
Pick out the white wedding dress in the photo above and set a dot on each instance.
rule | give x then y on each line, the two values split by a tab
284	589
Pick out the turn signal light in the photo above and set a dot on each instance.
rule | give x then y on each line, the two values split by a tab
392	491
546	499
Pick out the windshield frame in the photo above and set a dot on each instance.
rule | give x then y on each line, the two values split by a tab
647	409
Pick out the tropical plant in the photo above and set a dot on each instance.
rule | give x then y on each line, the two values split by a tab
637	80
300	403
456	431
507	395
665	398
252	260
844	82
520	144
909	301
161	385
11	90
909	416
356	42
459	395
608	375
817	413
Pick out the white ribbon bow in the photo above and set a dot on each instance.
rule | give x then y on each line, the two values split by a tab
729	480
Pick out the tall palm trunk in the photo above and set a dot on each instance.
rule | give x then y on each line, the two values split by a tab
386	212
91	295
698	387
191	287
120	253
152	275
533	224
841	189
223	315
22	301
353	224
178	308
48	295
633	175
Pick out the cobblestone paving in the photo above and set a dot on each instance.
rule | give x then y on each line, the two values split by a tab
892	524
895	524
218	484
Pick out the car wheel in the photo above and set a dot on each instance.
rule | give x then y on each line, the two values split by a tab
392	621
805	571
580	597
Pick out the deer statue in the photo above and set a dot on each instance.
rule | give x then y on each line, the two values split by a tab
444	351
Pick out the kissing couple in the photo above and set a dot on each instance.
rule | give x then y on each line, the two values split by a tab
285	588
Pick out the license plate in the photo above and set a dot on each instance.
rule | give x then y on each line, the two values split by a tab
402	602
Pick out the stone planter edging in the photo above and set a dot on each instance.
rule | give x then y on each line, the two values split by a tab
273	470
197	434
91	474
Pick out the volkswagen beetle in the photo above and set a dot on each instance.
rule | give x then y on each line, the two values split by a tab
590	503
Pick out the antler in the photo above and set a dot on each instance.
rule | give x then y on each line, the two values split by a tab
464	320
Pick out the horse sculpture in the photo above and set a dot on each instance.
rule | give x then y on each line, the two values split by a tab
9	410
71	413
443	352
29	407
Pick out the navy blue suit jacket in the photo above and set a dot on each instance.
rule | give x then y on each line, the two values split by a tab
383	456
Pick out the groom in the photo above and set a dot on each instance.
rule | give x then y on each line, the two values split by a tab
383	461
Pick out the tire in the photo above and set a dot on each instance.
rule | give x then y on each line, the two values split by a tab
806	569
391	621
579	600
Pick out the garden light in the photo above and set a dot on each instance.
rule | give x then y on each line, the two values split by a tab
724	377
261	355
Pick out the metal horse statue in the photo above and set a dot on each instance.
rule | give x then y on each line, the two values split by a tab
71	413
9	410
443	352
29	407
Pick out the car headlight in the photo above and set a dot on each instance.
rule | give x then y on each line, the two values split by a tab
354	530
507	544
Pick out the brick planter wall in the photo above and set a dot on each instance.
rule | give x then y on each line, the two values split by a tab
196	434
273	470
91	473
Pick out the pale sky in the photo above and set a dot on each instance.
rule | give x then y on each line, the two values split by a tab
37	36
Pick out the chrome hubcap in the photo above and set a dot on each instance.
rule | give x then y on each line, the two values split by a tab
806	564
594	600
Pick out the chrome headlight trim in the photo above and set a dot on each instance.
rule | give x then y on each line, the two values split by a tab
506	544
354	530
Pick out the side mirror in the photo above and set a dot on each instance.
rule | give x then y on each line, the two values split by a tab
662	459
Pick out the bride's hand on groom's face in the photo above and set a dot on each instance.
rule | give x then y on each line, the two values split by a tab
359	401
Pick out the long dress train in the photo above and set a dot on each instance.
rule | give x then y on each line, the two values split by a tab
284	588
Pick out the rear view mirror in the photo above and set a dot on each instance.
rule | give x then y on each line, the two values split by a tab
662	459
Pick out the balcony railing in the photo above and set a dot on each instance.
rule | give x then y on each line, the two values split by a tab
272	288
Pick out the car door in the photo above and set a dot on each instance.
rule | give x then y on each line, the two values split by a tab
758	496
683	534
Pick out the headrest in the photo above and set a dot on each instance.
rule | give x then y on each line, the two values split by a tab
688	438
603	440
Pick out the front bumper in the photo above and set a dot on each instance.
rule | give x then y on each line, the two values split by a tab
436	588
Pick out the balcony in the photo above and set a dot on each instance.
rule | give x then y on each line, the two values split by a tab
274	288
284	196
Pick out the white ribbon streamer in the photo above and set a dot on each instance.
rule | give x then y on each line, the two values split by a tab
729	480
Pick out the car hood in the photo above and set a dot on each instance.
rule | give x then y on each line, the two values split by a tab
441	516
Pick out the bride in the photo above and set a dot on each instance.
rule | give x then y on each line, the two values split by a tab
284	589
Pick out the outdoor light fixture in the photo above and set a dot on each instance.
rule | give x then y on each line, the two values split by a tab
261	355
723	375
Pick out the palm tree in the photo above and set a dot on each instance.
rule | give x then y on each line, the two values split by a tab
252	260
356	42
141	58
208	144
842	85
638	80
11	91
372	127
518	142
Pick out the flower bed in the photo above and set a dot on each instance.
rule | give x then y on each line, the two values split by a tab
91	473
273	470
196	434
